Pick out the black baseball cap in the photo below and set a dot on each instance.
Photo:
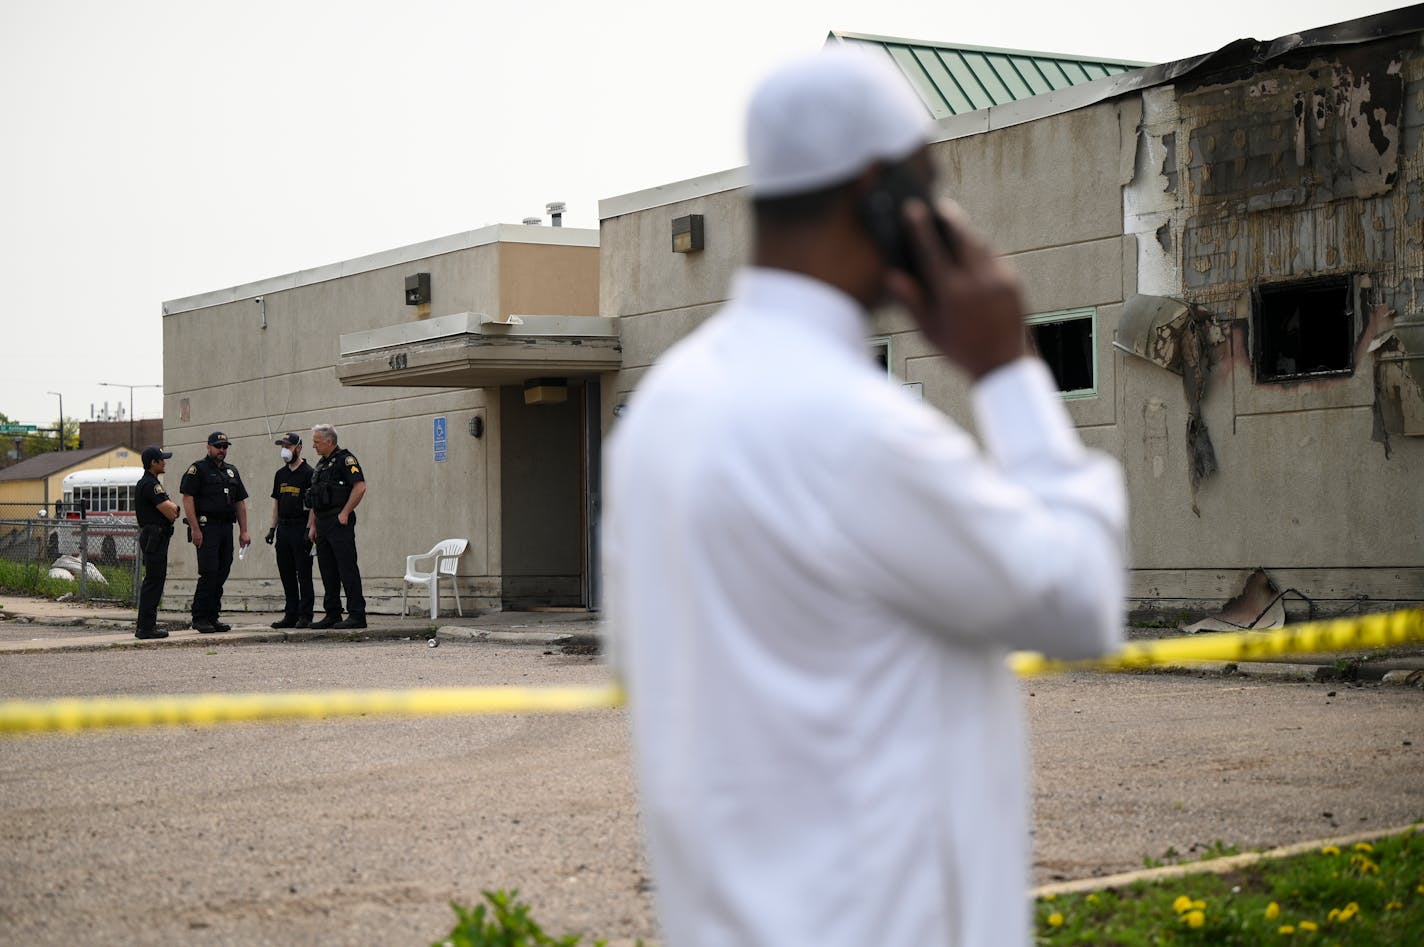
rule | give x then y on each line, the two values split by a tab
150	454
218	439
288	440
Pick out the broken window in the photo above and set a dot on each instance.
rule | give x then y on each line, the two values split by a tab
1067	341
880	352
1303	329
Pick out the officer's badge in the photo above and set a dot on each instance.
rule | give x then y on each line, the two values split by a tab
231	472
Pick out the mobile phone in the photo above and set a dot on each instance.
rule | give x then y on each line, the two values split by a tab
883	212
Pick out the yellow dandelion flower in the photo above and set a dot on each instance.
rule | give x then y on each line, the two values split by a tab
1199	905
1309	926
1091	899
1363	863
1194	918
1333	916
1049	897
1350	911
1364	847
1285	929
1420	889
1273	911
1182	904
1055	919
1394	906
1329	850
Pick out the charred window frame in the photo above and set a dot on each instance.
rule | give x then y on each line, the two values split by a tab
880	351
1068	341
1304	328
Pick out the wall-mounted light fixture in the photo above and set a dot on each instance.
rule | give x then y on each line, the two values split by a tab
417	289
546	390
687	234
477	426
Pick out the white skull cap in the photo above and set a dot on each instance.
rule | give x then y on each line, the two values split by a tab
820	120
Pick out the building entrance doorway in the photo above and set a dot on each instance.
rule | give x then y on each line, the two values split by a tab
549	489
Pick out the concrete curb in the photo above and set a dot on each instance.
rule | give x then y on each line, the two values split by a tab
1217	866
183	636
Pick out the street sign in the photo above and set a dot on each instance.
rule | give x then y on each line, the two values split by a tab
18	428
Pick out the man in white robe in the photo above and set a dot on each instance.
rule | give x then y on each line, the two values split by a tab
813	579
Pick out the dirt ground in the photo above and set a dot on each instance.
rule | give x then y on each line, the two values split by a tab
362	831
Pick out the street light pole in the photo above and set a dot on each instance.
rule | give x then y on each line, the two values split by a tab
110	384
61	416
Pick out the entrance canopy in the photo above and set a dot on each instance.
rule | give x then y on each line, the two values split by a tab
474	350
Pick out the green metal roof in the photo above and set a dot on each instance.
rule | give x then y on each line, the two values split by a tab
952	80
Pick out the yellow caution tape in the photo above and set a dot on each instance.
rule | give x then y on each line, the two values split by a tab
1340	634
73	714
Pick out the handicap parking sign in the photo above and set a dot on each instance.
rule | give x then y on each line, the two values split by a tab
440	442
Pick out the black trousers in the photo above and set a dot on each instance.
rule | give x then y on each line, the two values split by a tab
336	557
214	563
153	544
294	565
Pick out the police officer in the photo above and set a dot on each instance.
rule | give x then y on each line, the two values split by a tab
289	533
337	488
155	512
213	499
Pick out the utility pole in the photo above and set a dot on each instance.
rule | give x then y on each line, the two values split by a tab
60	429
109	384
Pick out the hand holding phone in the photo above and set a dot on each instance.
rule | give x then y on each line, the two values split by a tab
883	213
965	299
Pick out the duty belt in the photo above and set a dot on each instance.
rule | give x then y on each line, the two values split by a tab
291	521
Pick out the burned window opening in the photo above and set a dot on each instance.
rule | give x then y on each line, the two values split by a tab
880	352
1303	329
1066	341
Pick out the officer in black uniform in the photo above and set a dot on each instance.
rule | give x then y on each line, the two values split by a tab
213	499
289	533
338	485
155	513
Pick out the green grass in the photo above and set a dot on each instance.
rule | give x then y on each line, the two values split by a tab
29	578
1370	894
32	578
504	922
1365	895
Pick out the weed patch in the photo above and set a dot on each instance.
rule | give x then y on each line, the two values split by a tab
1367	894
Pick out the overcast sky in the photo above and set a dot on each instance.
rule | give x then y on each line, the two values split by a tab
154	150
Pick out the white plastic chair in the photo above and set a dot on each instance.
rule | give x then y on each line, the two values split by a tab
428	568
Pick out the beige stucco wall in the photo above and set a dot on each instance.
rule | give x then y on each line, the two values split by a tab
542	280
223	371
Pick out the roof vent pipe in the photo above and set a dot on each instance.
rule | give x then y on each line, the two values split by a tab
556	213
533	221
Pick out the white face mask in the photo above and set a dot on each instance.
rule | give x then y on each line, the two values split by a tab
286	455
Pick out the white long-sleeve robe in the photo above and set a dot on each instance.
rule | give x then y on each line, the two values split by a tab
812	582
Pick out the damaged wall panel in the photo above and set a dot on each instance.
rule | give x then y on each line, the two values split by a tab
1300	168
1309	167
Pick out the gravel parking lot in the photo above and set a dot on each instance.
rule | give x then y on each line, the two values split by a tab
362	831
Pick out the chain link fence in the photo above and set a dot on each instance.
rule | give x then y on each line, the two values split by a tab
48	550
